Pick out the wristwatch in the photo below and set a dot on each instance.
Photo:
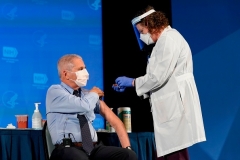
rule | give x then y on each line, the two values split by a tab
129	147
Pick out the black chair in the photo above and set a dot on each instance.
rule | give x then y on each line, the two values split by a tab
47	141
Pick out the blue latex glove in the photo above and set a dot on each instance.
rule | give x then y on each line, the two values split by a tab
124	81
118	89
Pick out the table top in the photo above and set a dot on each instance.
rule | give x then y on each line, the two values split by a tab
19	129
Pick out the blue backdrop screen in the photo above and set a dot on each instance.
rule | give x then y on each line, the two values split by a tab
34	34
212	29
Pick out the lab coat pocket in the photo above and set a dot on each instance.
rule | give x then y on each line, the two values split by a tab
167	107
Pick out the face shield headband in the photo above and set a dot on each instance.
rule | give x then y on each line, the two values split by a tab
135	21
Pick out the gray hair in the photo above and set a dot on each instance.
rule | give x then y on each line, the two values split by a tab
66	62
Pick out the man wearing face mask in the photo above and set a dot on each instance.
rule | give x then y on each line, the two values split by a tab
169	83
66	102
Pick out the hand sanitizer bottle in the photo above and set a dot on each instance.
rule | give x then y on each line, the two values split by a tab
36	118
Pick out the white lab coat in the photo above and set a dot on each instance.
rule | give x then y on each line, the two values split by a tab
174	98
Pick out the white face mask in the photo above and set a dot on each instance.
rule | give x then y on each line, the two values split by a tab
146	38
82	77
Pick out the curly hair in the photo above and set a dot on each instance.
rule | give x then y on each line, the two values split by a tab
155	21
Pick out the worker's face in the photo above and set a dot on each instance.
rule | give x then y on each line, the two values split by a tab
144	30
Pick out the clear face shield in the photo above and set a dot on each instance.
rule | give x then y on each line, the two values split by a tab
135	20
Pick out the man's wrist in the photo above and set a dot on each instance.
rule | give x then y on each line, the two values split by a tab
129	147
133	82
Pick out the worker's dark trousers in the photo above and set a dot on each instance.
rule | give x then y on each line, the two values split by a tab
178	155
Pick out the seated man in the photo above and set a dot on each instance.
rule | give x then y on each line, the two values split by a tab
63	112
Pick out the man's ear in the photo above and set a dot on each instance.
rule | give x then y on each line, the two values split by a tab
65	74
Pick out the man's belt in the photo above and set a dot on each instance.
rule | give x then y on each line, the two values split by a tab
75	144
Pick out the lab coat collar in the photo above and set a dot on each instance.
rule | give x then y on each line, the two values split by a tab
167	28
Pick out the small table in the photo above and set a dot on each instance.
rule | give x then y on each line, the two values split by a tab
21	144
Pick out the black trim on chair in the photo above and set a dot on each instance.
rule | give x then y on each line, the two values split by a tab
47	157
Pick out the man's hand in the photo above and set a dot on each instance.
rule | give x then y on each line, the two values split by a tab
98	91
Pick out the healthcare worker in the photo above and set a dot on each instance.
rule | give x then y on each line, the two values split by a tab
170	85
